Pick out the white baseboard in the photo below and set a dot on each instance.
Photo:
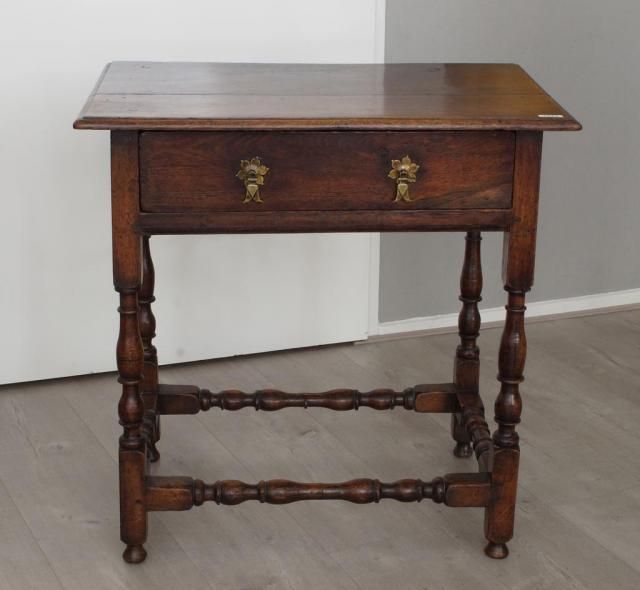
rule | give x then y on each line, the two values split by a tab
571	306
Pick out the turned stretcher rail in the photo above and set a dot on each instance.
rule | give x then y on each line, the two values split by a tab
182	493
339	400
474	421
184	399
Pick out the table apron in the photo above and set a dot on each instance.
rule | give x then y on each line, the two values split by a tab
324	221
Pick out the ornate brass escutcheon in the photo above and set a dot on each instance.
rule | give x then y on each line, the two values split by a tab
403	171
252	173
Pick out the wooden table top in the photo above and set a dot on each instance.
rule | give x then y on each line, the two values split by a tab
208	96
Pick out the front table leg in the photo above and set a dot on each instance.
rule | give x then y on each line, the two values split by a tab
127	274
133	517
508	407
518	266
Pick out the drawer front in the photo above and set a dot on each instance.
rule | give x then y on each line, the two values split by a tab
324	171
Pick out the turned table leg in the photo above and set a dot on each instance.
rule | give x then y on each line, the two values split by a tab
148	333
467	361
518	267
508	407
127	272
133	525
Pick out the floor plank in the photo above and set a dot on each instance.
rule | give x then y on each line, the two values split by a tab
374	544
23	564
224	542
577	524
64	485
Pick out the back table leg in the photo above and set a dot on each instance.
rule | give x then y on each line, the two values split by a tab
148	332
467	363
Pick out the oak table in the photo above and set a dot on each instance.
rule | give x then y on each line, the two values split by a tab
206	148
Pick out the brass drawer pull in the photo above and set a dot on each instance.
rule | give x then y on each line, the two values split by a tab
403	171
252	173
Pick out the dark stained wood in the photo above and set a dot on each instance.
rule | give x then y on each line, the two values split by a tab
182	493
473	420
127	273
271	400
500	514
148	333
467	365
328	135
205	96
125	205
246	79
188	399
438	398
518	259
467	490
178	399
466	372
265	222
518	267
184	172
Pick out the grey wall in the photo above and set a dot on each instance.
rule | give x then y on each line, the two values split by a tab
586	53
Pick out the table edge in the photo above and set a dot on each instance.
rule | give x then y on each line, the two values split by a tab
360	124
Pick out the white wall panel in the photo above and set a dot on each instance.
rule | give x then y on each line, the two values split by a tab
216	295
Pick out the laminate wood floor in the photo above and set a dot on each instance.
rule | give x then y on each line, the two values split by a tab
578	518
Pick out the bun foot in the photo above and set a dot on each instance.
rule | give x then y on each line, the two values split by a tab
496	550
134	554
462	450
154	453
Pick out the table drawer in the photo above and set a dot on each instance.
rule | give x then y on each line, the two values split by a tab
314	171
